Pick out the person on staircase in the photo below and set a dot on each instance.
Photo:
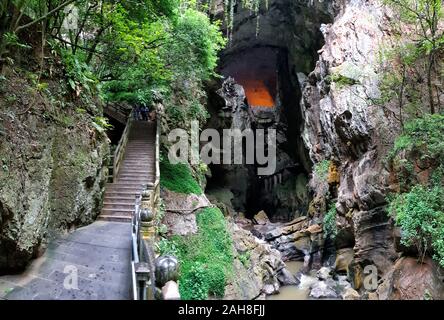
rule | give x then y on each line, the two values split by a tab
136	112
144	111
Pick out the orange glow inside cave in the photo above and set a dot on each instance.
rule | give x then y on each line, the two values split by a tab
257	93
255	70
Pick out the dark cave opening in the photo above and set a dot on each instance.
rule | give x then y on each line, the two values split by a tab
268	64
283	194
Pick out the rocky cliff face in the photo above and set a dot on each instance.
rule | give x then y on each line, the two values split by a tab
53	171
342	124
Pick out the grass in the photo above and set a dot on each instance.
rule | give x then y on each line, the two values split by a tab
206	258
178	178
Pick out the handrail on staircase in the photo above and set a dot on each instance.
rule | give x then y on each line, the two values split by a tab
120	149
156	187
143	235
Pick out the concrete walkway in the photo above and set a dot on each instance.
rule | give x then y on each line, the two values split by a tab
98	254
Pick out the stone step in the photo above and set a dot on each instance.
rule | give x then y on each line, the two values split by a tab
138	158
138	163
118	212
119	199
118	205
136	171
135	175
130	190
130	181
124	194
114	218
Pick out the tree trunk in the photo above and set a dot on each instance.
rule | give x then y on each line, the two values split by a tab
429	84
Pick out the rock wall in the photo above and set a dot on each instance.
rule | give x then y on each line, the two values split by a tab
342	125
53	170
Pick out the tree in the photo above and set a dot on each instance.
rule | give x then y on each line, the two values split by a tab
425	18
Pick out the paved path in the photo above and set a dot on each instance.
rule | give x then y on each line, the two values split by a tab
101	252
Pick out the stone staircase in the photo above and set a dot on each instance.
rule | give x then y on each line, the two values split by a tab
136	170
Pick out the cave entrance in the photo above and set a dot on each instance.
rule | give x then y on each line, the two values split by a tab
256	71
270	60
272	102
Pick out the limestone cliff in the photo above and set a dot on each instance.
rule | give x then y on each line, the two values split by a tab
53	162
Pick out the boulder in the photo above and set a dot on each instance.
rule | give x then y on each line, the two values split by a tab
170	291
323	289
412	280
286	278
324	273
183	203
261	218
351	294
344	258
260	275
180	224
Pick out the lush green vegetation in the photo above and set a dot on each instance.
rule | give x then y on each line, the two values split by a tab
206	258
412	81
136	51
420	214
422	141
419	207
178	178
329	223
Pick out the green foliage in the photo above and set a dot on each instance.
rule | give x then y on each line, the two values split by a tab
414	63
419	209
178	178
321	169
101	124
12	40
329	224
245	258
422	136
78	73
206	258
194	284
340	80
421	142
420	215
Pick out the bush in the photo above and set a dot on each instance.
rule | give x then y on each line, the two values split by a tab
420	144
206	258
321	169
178	178
330	229
420	215
423	136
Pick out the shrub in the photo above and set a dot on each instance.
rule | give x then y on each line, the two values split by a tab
206	258
340	80
321	169
329	226
420	215
423	136
178	178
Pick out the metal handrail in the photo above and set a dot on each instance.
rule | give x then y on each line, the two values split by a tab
135	246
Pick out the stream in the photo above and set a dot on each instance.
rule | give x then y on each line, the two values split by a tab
294	292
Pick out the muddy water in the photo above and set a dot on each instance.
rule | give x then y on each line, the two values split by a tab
299	292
